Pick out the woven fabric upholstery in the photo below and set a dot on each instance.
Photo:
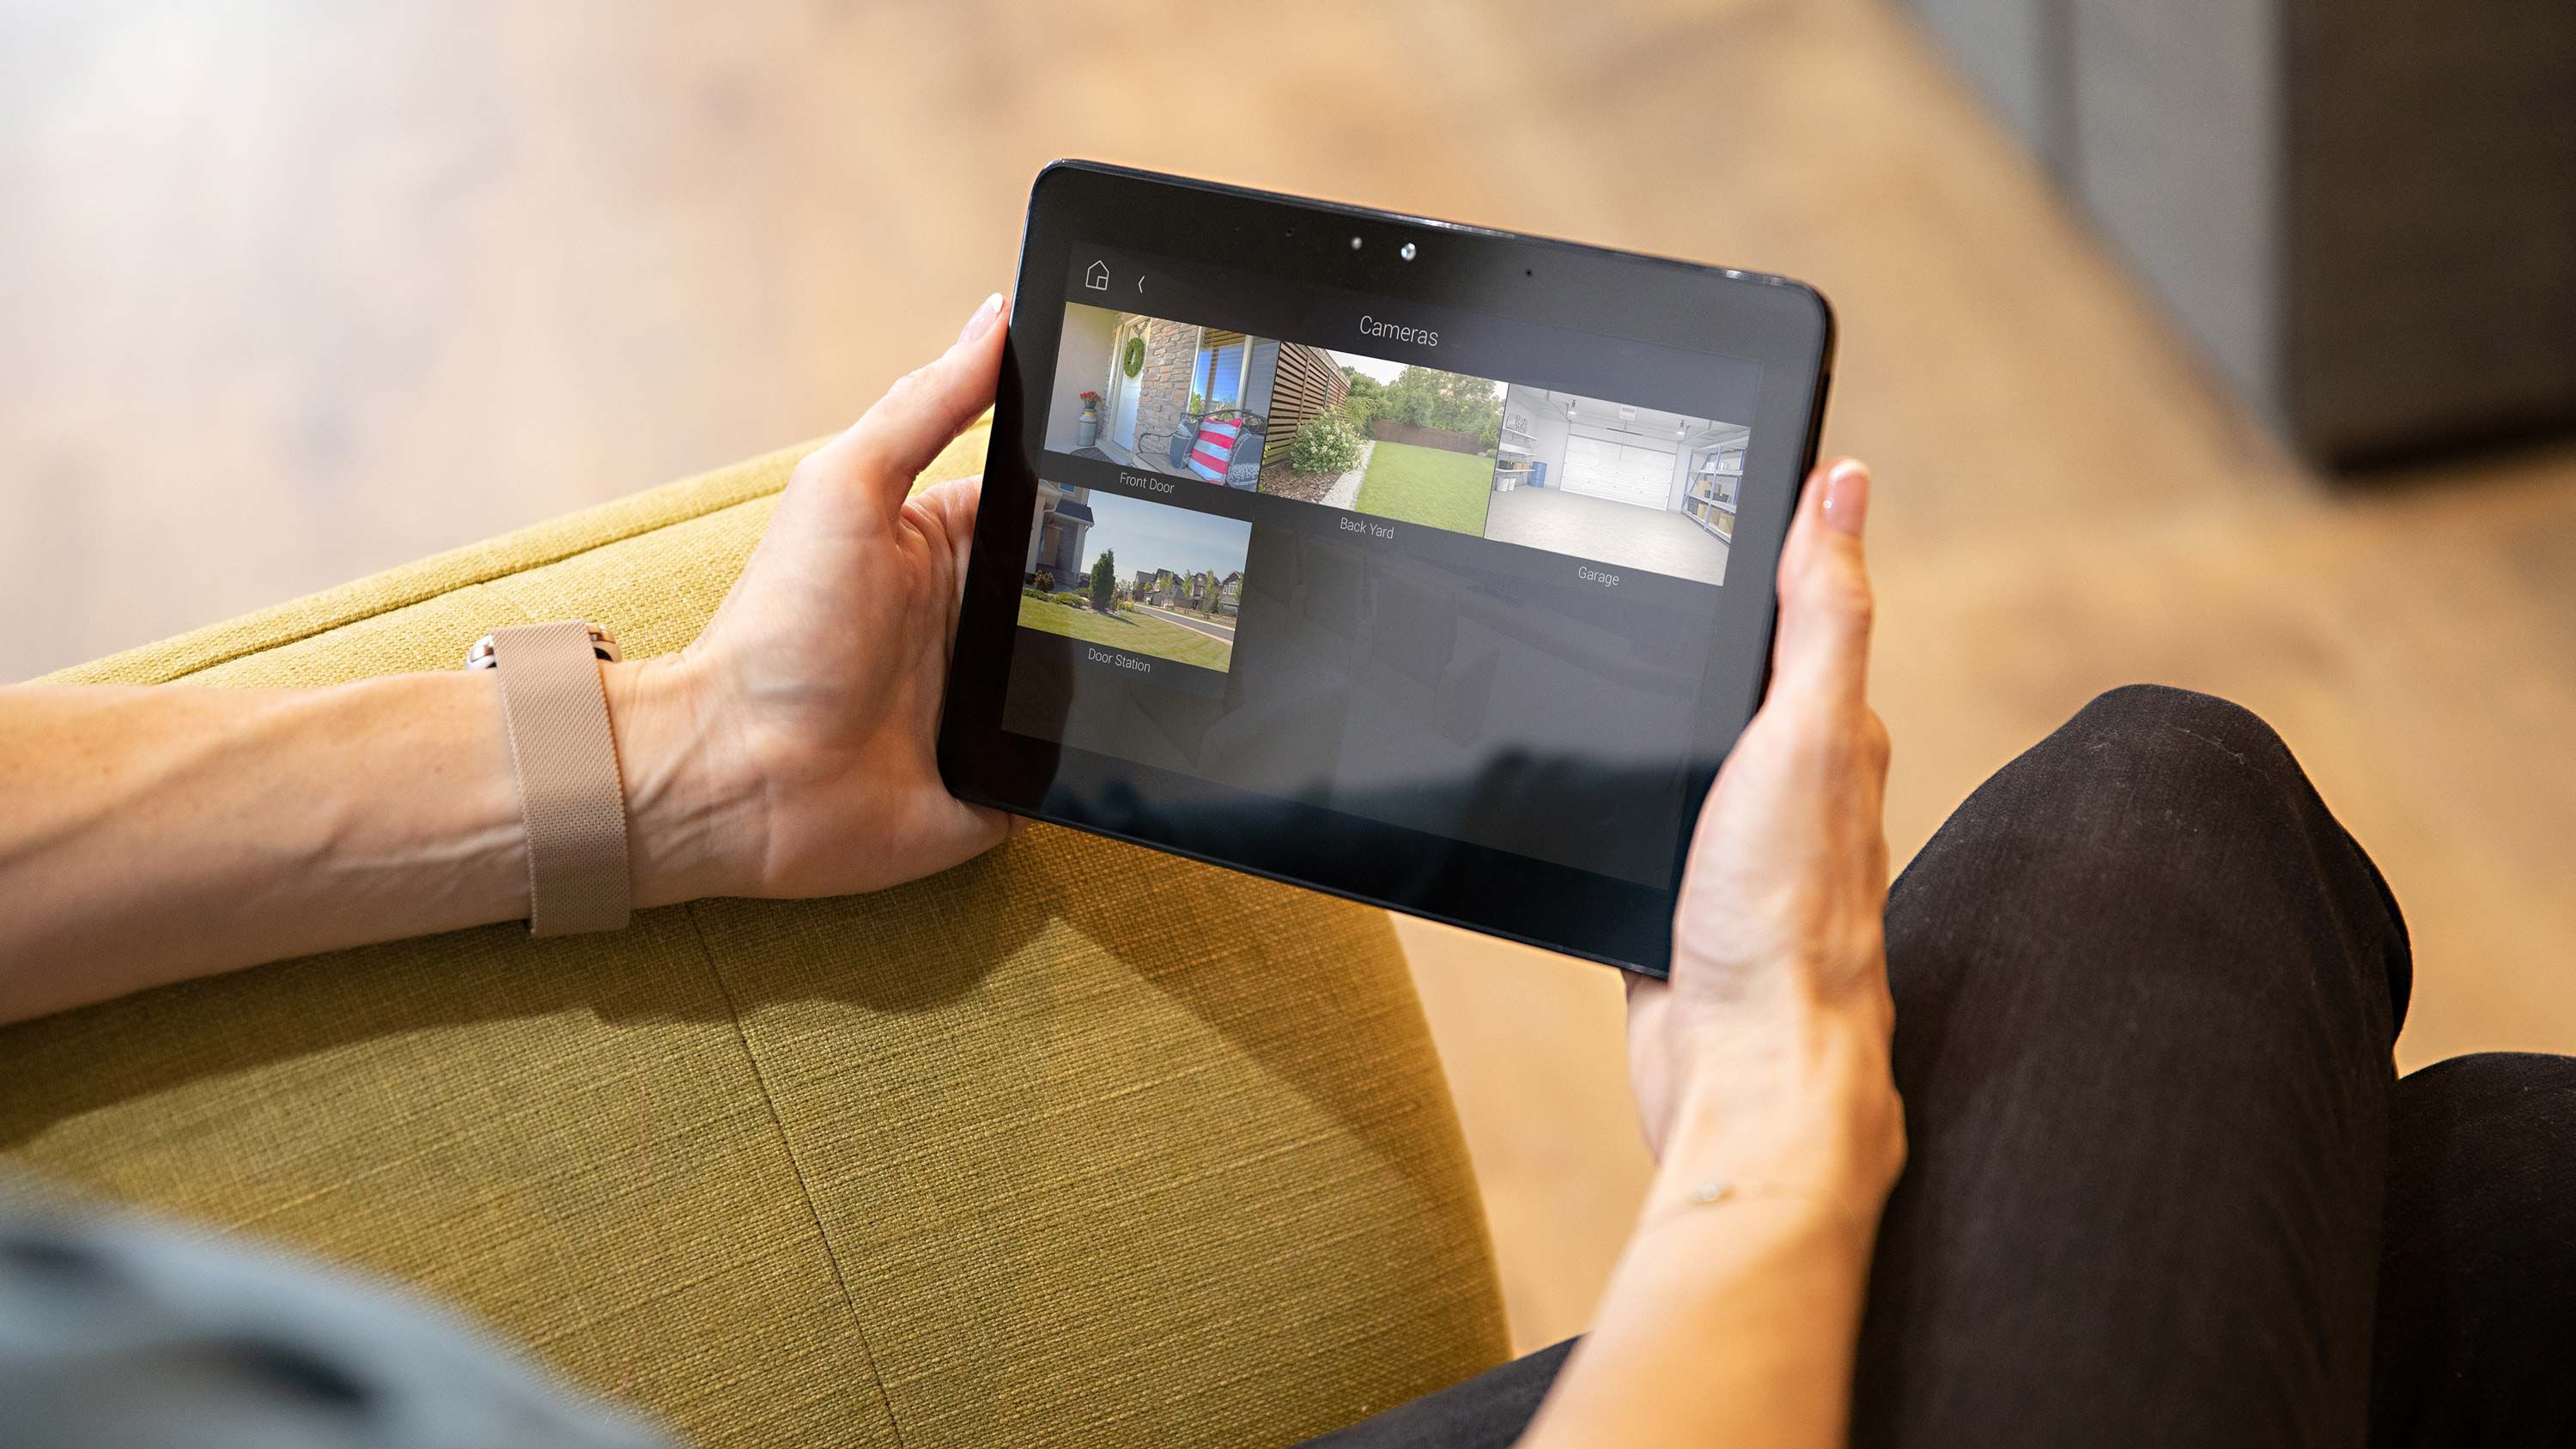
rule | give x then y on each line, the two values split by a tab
1074	1144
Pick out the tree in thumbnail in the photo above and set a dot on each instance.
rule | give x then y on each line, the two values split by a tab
1366	403
1434	399
1104	582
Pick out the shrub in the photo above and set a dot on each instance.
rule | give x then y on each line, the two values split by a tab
1069	599
1325	444
1045	581
1104	581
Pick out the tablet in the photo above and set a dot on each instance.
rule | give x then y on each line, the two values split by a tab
1424	564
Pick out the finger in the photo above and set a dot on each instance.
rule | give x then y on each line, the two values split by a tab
948	509
922	414
1822	649
951	507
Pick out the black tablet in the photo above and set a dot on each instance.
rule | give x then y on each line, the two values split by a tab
1420	563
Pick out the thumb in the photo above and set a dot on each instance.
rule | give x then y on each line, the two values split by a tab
1825	598
885	449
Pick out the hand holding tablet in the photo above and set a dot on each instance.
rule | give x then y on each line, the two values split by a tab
1413	562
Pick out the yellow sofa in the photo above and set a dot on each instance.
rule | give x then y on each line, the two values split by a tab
1075	1144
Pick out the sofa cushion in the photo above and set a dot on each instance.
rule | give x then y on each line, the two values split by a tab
1073	1144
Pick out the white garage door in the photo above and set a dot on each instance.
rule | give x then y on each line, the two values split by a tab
1618	471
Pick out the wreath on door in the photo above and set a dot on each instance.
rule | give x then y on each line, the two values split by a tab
1134	362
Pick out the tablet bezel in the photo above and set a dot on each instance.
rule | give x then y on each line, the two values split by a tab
1785	326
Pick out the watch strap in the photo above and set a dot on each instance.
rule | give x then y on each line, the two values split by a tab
570	792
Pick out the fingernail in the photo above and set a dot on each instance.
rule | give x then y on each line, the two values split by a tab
982	322
1847	496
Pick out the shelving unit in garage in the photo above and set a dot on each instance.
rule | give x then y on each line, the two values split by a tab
1515	466
1708	497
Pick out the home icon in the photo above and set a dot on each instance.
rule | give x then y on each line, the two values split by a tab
1097	277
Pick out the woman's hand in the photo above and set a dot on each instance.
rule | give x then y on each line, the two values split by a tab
1762	1067
152	835
790	750
1772	1035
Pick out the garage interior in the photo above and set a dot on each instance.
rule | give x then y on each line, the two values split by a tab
1624	485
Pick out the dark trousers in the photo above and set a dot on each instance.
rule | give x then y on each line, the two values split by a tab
2165	1186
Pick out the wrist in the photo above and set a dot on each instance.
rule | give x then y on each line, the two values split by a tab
1801	1105
691	807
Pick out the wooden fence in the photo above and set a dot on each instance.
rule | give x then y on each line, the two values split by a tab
1388	430
1307	383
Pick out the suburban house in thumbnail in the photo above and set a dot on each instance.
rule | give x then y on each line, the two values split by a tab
1187	401
1055	544
1229	594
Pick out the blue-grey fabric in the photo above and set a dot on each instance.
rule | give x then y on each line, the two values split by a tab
120	1333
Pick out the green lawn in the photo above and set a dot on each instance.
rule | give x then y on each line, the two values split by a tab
1428	485
1135	634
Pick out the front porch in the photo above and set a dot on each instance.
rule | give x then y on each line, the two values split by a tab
1107	451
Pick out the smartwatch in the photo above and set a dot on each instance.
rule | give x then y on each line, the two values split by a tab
571	795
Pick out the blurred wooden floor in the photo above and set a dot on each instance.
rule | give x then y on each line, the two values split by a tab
296	291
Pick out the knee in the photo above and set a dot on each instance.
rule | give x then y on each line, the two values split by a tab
2166	760
2472	1139
2478	1244
2189	798
2180	739
2146	777
2486	1114
2157	784
2176	832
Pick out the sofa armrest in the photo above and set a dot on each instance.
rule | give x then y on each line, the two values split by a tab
1073	1143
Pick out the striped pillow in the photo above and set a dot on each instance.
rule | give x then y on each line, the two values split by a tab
1213	448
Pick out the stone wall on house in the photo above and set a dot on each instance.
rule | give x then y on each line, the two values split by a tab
1163	388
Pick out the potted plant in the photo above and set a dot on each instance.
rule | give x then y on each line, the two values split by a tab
1088	430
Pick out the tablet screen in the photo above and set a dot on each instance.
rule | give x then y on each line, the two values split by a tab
1434	581
1347	555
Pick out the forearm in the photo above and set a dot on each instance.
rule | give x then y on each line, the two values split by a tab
154	835
1721	1330
149	835
1733	1315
